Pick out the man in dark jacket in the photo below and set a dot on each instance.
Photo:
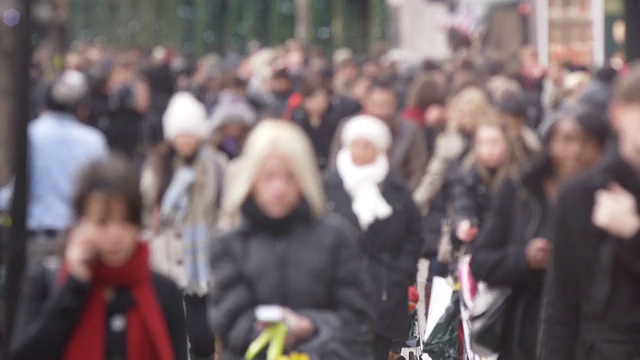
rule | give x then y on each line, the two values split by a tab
592	297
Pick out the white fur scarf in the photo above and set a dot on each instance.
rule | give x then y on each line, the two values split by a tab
362	183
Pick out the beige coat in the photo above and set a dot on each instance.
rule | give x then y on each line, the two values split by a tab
166	243
449	147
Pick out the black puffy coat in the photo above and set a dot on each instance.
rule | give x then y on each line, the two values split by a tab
392	248
519	214
592	296
313	267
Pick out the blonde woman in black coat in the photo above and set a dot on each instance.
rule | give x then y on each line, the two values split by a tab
377	202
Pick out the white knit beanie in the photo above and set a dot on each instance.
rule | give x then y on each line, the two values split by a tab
185	115
367	127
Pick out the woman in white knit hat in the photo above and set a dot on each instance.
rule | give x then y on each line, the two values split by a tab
182	183
376	200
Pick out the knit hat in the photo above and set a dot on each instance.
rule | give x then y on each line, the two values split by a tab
185	115
69	88
369	128
514	104
232	109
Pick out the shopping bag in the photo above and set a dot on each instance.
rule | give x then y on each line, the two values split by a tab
444	341
487	319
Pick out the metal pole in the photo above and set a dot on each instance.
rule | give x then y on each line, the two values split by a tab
632	19
15	256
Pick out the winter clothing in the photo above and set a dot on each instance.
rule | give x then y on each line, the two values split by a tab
368	128
450	148
232	109
180	248
71	322
471	197
391	246
407	155
519	214
310	266
591	309
362	184
185	115
322	135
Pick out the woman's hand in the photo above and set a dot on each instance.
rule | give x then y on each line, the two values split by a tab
616	212
466	232
538	253
81	252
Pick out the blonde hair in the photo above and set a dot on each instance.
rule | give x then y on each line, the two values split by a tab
289	140
475	99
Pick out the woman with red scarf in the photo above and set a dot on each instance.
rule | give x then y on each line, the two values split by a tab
103	302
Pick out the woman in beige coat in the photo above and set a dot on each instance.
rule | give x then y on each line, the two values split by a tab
182	184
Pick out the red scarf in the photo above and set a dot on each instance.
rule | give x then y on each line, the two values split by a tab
147	334
414	115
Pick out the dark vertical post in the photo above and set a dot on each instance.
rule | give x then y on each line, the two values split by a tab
15	254
632	19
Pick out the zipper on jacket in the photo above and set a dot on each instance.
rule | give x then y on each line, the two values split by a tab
385	295
281	245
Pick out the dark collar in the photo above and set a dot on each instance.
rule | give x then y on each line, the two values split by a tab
621	172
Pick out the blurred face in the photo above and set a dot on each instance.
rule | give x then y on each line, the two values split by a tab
363	152
468	122
360	89
381	104
626	121
276	190
572	150
117	239
317	103
186	145
281	86
436	116
491	146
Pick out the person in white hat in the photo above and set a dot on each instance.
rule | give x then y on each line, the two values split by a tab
182	187
376	200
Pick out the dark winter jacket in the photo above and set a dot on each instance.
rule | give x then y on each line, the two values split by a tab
471	196
46	319
313	267
519	214
392	248
321	136
592	297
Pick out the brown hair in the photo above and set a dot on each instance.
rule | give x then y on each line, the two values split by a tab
424	92
114	176
627	88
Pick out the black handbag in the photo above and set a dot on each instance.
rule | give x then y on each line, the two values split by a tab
487	319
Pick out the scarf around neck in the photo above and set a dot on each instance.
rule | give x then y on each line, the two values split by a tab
146	329
362	183
189	206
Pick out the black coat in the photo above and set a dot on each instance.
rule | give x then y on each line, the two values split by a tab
313	267
592	298
46	320
471	197
518	215
392	248
322	136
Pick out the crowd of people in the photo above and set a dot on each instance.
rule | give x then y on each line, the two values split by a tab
284	186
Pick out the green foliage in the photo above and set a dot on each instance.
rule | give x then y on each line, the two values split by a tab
216	25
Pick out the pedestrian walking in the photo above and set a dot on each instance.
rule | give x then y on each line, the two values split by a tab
60	146
590	309
515	246
103	302
182	185
288	253
376	200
